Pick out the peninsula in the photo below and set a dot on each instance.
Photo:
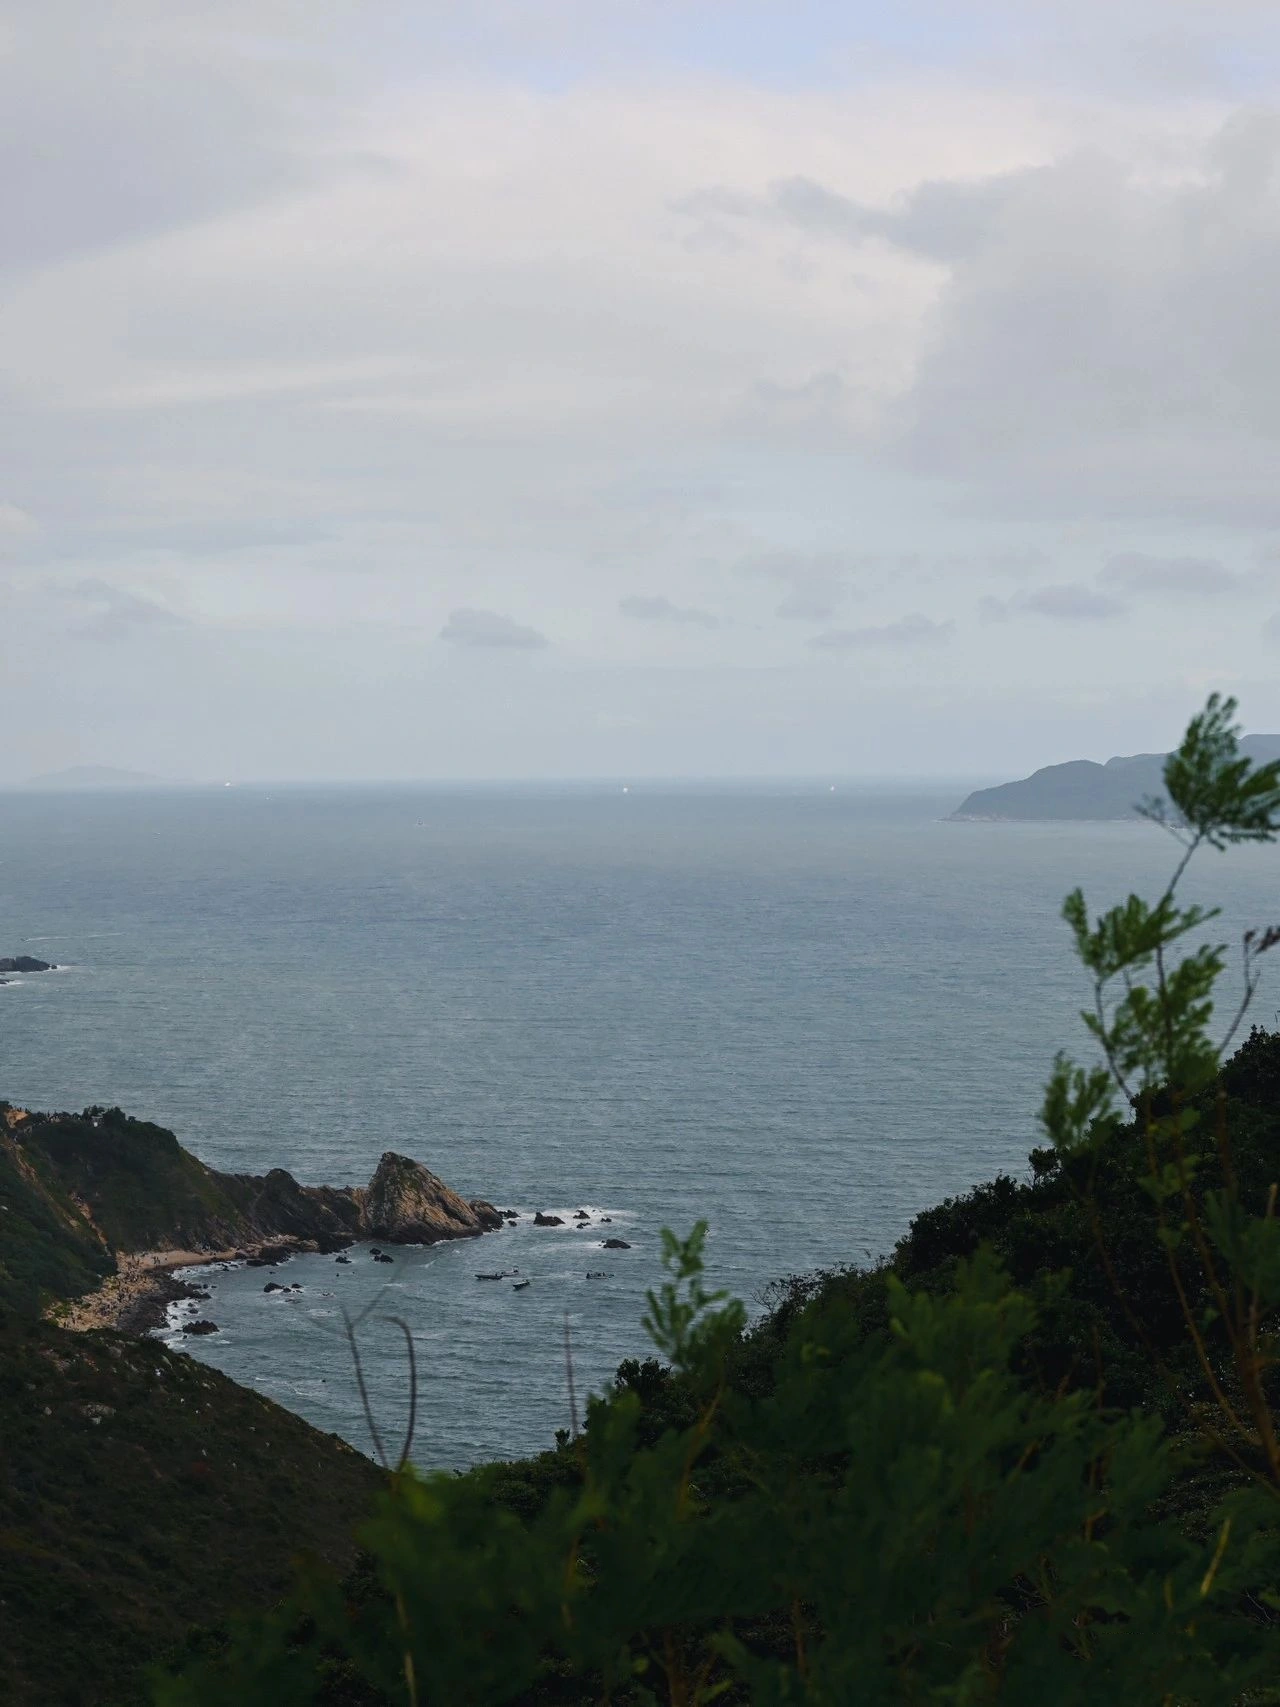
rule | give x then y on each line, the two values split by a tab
1081	789
132	1205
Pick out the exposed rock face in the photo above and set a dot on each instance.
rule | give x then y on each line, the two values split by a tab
541	1220
408	1203
25	963
615	1245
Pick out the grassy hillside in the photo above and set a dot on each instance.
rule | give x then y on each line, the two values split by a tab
48	1248
142	1494
143	1191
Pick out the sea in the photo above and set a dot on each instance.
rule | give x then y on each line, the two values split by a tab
801	1012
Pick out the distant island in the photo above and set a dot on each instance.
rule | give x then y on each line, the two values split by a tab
1081	789
95	776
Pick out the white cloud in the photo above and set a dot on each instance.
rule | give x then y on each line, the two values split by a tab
321	321
1143	572
656	607
486	628
907	631
1066	602
117	610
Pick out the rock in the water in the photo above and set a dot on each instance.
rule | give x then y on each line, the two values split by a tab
270	1256
342	1259
541	1220
581	1215
201	1327
616	1245
26	963
274	1286
381	1256
406	1202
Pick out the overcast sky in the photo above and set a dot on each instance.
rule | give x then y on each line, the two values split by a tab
626	387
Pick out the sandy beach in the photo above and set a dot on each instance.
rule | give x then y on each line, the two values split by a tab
136	1297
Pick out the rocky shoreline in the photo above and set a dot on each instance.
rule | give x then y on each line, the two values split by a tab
136	1298
133	1206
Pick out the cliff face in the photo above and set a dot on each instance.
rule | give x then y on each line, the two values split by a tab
125	1186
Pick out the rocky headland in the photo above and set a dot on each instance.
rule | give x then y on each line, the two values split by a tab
131	1205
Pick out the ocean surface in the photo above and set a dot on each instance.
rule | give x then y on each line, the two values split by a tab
801	1014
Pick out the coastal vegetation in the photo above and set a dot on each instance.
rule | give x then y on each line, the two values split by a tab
1032	1457
143	1494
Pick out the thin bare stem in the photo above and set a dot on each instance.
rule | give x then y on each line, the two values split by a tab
568	1373
354	1347
403	1326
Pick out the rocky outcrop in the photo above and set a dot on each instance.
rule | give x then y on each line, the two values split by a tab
407	1203
25	963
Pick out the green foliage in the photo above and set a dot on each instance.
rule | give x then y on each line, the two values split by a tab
48	1250
902	1518
1151	1017
1033	1460
142	1188
691	1327
1222	798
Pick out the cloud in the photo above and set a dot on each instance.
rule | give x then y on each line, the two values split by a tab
481	628
657	608
117	611
1090	329
914	630
934	310
940	221
817	582
17	530
1068	602
1139	572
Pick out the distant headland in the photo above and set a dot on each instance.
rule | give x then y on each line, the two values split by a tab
1081	789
